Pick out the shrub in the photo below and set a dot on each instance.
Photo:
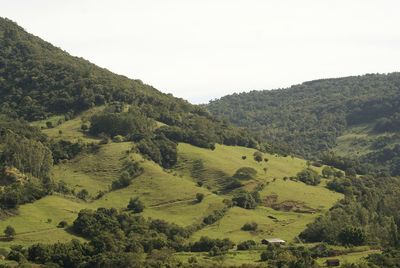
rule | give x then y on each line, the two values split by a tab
233	184
328	172
309	176
246	200
62	224
244	157
246	245
9	231
199	197
205	244
245	173
159	149
84	127
258	156
135	205
214	217
250	226
83	194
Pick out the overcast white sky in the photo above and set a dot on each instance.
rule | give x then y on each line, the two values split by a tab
203	49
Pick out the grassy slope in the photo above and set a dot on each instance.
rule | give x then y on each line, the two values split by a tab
358	140
226	160
169	194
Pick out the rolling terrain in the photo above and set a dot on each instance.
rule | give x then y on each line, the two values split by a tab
99	170
170	194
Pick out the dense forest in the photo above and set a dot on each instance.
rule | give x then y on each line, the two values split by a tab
307	119
38	80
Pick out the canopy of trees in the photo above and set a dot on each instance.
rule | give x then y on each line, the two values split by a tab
39	80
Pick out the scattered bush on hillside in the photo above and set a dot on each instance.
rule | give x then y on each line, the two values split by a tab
328	172
258	156
246	200
159	149
83	194
205	244
245	173
130	170
250	226
309	176
62	224
214	217
291	256
246	245
135	205
9	232
233	184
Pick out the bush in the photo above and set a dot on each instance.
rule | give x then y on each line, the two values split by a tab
135	205
246	245
83	194
9	231
309	176
84	127
214	217
246	200
205	244
123	181
233	184
258	156
159	149
252	226
328	172
245	173
62	224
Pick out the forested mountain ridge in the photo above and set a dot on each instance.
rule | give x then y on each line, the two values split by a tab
308	118
38	80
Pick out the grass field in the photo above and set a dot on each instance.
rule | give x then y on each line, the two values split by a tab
170	194
358	140
70	129
355	257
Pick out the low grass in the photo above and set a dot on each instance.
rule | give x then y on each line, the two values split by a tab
94	172
316	197
70	129
287	225
170	194
232	258
37	222
357	141
350	258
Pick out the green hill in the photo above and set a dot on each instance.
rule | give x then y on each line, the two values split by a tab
355	117
98	170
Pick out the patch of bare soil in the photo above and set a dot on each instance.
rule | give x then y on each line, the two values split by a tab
288	205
